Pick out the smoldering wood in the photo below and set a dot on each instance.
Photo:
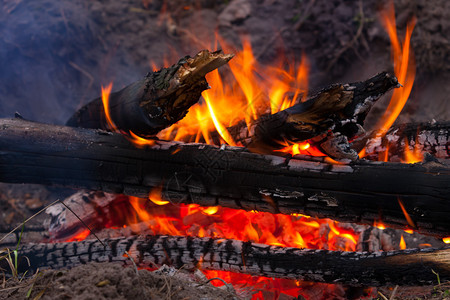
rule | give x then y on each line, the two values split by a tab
155	102
433	138
360	192
328	119
404	267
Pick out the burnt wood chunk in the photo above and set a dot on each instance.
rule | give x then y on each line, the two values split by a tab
404	267
359	192
157	101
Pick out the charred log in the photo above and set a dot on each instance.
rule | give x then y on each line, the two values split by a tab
359	192
330	118
405	267
159	100
433	138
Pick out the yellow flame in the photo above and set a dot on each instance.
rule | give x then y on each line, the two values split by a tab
402	243
379	225
349	236
219	127
155	196
298	241
313	224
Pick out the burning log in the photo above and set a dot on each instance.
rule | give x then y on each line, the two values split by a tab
359	192
406	267
159	100
328	119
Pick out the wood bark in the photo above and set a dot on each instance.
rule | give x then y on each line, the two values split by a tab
328	120
359	192
159	100
404	267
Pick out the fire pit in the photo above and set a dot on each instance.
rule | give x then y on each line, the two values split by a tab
261	177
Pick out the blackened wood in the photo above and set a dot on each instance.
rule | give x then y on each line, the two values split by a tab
331	118
405	267
360	192
432	138
159	100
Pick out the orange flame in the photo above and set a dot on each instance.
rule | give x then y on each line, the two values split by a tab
413	156
105	99
408	218
402	243
138	141
255	89
404	67
249	91
446	240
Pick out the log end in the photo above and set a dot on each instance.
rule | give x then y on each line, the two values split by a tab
201	64
172	91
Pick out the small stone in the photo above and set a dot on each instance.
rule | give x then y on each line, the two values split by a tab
9	218
33	203
103	283
237	11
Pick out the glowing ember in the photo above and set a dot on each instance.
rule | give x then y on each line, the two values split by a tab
269	288
79	236
220	222
379	225
274	229
304	148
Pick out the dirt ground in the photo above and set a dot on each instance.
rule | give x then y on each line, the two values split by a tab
55	56
111	281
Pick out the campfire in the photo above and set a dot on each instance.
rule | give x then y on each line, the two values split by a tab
242	170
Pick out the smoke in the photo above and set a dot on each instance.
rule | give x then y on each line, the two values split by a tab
54	59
